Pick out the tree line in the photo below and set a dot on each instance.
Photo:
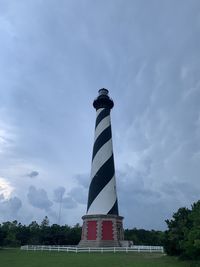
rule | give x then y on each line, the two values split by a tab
144	237
14	234
181	239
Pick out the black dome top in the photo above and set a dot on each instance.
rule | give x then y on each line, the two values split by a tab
103	100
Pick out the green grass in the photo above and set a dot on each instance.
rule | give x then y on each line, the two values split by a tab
17	258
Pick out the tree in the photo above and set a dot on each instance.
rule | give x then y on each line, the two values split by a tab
34	229
45	235
2	236
45	222
178	227
74	235
183	235
144	237
191	243
10	230
23	234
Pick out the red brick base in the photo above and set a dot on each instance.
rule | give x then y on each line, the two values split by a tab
101	231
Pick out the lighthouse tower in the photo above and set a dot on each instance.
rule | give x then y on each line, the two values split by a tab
102	225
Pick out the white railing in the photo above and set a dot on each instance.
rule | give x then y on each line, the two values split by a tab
93	249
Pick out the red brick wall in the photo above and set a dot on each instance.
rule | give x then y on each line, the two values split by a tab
107	230
91	230
83	229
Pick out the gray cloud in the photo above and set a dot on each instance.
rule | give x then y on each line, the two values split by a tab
14	204
58	194
147	205
142	207
69	203
79	194
10	208
33	174
83	179
38	198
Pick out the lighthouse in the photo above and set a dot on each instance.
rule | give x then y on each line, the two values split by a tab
102	225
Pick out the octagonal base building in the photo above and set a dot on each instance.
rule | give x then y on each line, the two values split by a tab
102	225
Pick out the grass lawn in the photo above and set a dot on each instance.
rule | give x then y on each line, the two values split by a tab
17	258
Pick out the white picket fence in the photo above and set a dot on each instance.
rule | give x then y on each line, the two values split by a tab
93	249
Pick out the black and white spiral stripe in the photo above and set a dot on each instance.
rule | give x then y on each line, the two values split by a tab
102	198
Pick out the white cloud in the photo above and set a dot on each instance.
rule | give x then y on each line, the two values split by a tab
5	188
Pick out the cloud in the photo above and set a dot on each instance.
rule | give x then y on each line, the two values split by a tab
58	194
69	203
38	198
139	204
66	202
7	135
10	208
83	179
146	202
5	188
33	174
79	194
14	204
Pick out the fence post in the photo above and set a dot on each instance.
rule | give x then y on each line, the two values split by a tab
89	250
126	249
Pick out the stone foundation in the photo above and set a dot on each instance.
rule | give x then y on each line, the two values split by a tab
101	231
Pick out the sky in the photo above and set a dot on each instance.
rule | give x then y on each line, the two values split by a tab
54	57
